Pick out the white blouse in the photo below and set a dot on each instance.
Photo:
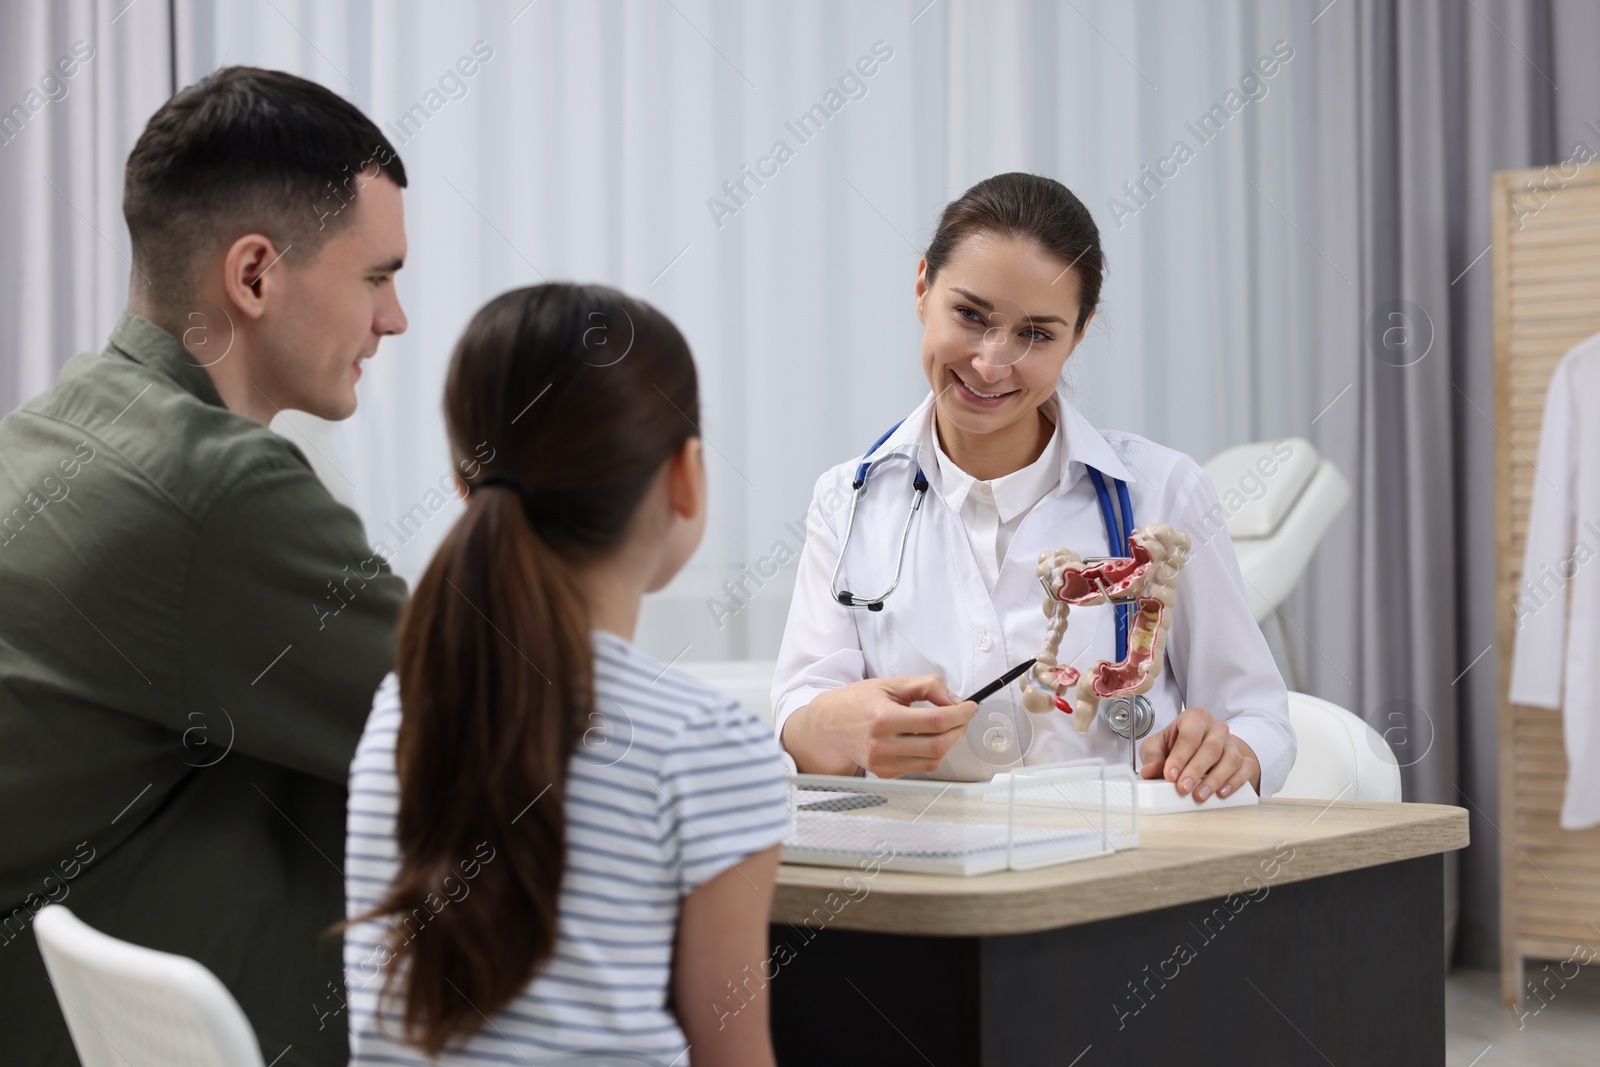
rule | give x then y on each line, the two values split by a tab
951	617
991	511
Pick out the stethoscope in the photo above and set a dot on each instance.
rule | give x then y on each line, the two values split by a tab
1128	717
858	489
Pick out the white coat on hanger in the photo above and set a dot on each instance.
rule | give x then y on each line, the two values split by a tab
1557	658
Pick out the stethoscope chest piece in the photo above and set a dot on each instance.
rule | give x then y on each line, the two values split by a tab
1129	717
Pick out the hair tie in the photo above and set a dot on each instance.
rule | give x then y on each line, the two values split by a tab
509	482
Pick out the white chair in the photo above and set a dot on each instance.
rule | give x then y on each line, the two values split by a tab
1339	756
1278	500
126	1005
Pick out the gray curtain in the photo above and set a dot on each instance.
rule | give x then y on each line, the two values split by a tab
1417	103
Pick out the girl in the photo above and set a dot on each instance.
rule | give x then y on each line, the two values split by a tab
1005	293
559	849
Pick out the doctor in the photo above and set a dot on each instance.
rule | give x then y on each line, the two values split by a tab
1005	292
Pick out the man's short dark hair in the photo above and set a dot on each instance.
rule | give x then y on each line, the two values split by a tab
245	150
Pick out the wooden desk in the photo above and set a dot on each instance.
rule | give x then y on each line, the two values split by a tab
1290	932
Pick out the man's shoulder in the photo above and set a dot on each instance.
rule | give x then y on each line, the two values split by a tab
147	430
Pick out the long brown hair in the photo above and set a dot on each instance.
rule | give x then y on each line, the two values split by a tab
569	399
1032	206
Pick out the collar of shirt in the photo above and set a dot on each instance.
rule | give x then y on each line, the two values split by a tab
1080	445
1011	494
142	341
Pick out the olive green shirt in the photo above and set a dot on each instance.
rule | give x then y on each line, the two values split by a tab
191	631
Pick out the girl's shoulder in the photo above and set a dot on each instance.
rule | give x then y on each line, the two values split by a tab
660	700
383	721
373	784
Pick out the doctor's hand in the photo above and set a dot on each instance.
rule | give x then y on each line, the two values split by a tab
1200	754
870	724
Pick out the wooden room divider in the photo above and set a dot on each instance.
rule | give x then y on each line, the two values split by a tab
1546	231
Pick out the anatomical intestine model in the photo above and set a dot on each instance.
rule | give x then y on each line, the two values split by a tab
1147	576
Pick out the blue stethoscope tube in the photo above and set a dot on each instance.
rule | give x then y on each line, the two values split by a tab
1118	530
1118	535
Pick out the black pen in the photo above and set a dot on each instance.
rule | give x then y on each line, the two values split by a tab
1001	682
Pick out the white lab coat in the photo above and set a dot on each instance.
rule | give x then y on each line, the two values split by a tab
1558	612
943	620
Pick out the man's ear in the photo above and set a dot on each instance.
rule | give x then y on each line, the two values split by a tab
247	279
686	479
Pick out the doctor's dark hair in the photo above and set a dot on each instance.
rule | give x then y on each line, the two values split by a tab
1032	206
563	403
245	150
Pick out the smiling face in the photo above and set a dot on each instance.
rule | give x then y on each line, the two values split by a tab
998	325
335	309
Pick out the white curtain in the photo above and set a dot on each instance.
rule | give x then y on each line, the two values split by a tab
597	142
80	81
593	141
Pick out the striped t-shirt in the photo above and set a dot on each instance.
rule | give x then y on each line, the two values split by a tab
674	784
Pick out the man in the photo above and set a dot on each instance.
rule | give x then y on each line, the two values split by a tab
191	627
